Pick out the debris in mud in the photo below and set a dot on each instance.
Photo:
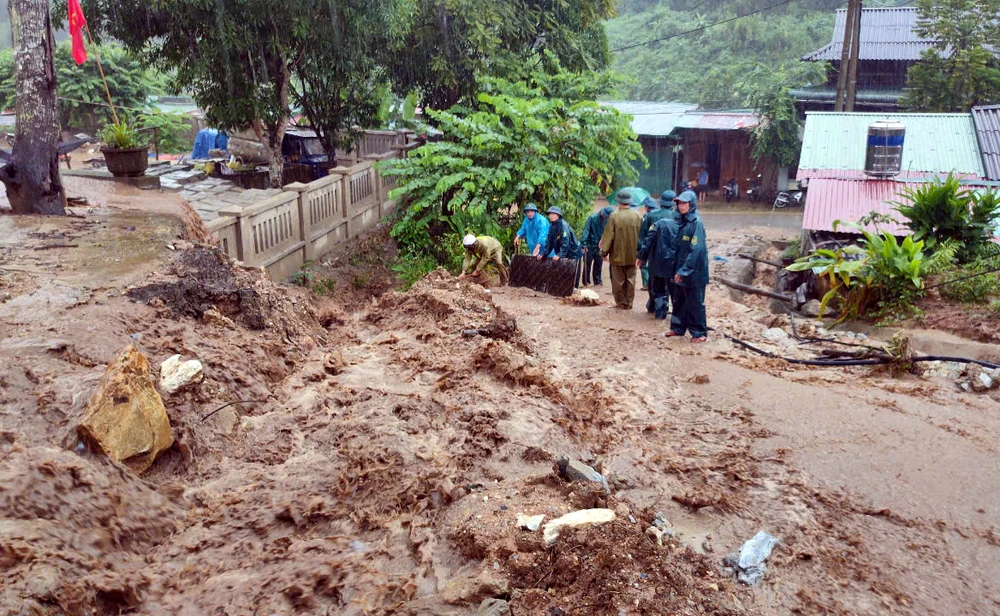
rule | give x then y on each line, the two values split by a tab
583	297
176	374
334	363
978	379
530	522
202	280
493	607
573	470
749	563
126	419
577	519
473	585
812	309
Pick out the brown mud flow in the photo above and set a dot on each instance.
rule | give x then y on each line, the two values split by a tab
375	460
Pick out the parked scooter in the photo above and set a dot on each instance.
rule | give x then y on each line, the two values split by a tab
731	191
754	192
786	198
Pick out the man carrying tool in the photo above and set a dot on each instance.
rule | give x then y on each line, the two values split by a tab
534	231
482	250
658	250
619	244
592	232
692	272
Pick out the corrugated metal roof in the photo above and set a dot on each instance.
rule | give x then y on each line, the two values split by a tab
935	143
886	34
827	94
652	119
828	200
719	120
987	121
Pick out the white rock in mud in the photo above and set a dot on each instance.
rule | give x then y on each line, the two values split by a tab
530	522
176	374
775	334
584	517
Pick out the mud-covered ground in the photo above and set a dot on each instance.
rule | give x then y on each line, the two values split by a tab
379	459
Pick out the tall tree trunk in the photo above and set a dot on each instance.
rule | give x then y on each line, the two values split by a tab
845	57
31	175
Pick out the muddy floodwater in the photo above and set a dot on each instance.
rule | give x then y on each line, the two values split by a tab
358	455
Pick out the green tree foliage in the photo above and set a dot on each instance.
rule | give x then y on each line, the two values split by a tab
943	210
960	71
717	67
339	82
246	61
449	45
777	136
543	141
83	101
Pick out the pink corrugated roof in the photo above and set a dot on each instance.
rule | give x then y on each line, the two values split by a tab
719	120
828	200
728	121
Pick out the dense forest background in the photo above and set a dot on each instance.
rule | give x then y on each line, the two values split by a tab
720	66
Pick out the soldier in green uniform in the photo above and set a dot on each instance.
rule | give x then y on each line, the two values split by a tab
619	245
482	250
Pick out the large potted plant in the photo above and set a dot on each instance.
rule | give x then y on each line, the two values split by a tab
126	153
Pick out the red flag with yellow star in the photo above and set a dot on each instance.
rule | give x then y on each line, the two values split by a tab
76	24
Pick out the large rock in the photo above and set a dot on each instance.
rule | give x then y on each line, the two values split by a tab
176	374
811	309
577	519
573	470
125	418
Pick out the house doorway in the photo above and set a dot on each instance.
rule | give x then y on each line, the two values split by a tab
714	163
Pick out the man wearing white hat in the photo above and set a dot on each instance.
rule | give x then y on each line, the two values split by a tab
482	250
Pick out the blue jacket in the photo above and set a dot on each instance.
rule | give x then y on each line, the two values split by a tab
659	248
594	228
534	232
562	241
692	253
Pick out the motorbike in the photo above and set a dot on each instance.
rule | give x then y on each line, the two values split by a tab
755	191
731	190
786	198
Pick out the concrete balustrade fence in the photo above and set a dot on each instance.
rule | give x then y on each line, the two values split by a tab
307	221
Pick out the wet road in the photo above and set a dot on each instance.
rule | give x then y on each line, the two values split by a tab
733	220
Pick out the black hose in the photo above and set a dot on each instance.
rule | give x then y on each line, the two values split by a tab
885	359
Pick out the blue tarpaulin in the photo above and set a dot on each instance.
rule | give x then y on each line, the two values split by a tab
209	139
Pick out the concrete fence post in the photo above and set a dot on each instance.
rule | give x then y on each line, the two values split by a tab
244	234
305	219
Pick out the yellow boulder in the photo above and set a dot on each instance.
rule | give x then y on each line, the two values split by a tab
126	418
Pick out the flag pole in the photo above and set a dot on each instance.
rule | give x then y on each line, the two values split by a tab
104	79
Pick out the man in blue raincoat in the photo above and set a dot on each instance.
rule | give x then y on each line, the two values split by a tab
590	241
534	231
691	277
657	252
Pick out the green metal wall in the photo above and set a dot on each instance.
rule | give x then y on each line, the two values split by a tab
660	174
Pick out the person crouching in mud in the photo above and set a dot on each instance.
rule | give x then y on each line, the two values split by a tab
692	272
482	250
